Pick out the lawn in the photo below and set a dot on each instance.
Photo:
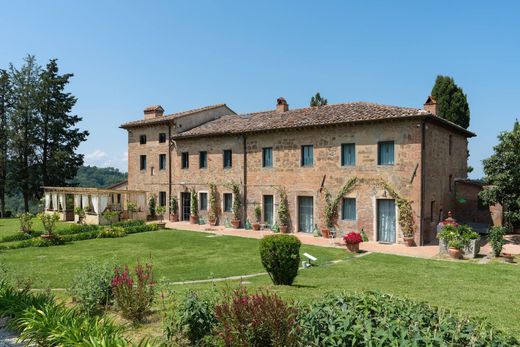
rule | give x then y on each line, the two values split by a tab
487	291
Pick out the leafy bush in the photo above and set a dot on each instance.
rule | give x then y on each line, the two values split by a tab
280	256
41	242
49	221
14	301
151	206
373	319
91	286
78	228
26	222
87	235
261	319
456	244
129	223
112	232
457	235
192	318
133	301
496	239
141	228
20	236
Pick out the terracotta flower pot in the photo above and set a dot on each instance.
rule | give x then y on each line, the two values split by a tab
194	219
455	253
353	247
256	226
161	225
174	217
325	232
235	223
408	241
212	222
283	229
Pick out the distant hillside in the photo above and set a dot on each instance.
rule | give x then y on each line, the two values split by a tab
97	177
87	176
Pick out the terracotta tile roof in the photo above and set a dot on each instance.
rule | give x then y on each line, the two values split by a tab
307	117
167	118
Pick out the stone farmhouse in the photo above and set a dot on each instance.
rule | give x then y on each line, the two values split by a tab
391	151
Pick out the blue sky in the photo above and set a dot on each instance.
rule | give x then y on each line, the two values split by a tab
184	54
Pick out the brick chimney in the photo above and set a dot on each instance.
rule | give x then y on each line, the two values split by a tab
281	105
430	105
153	111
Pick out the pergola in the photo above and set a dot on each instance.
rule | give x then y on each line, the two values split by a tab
94	201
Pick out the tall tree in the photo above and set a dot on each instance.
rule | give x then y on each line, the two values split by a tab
58	137
317	100
5	107
502	171
452	103
24	124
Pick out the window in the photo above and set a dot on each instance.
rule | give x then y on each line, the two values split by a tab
307	155
162	137
228	202
450	143
162	198
450	182
203	201
267	157
228	161
385	152
185	160
203	160
142	162
348	154
348	210
142	139
162	161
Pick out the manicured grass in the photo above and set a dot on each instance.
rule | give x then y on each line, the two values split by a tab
11	226
176	255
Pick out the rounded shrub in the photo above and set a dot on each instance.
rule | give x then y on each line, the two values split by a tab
280	256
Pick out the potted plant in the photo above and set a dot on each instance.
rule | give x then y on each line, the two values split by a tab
455	247
49	223
194	207
258	217
151	208
352	240
237	204
81	214
496	239
330	214
283	212
213	212
406	221
160	210
174	209
131	208
508	257
471	241
109	215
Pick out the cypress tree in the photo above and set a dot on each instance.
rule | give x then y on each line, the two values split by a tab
452	103
24	124
317	100
5	107
58	137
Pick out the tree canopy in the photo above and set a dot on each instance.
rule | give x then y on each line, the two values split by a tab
317	100
502	171
452	103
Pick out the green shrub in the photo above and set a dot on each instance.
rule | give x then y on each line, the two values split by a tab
20	236
192	318
129	223
26	222
91	286
87	235
43	242
111	233
280	256
78	229
261	319
496	239
373	319
14	301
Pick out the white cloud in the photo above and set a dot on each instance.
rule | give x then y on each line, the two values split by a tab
101	158
97	154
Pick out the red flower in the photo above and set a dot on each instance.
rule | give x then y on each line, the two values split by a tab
353	238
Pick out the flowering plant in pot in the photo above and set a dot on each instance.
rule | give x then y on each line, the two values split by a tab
194	207
352	240
258	217
455	247
283	212
174	208
213	212
81	214
160	210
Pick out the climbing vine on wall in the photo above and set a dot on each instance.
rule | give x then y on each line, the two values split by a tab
330	212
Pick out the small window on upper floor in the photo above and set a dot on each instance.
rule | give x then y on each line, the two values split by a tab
348	154
203	160
162	137
142	162
228	158
142	139
385	153
185	160
307	155
267	157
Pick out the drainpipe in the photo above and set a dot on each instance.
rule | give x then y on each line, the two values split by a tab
423	180
244	139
